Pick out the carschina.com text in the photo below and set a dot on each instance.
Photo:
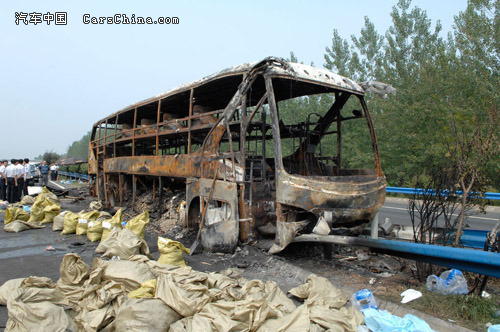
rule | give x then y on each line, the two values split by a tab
124	19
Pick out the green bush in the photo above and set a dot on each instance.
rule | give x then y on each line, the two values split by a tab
74	168
84	168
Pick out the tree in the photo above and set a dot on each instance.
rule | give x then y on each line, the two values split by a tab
477	42
50	156
471	152
398	57
445	115
436	200
368	64
338	56
410	43
80	148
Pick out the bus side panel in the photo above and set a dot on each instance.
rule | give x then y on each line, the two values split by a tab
221	229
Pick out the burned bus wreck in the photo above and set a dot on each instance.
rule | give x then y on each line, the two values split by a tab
253	160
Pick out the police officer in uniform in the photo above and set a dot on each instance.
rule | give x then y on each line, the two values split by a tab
11	172
20	179
3	180
26	175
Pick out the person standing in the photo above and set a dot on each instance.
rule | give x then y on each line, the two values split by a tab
20	179
10	172
53	172
43	171
57	172
26	175
3	181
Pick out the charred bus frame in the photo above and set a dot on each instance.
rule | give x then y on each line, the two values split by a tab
222	139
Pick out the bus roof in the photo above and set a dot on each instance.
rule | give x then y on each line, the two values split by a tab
296	70
292	70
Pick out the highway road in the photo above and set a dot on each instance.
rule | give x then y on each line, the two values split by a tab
396	209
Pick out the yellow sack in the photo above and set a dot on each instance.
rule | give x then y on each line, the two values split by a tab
58	223
171	252
15	213
103	215
83	220
70	221
94	230
107	225
37	213
137	224
27	200
50	211
46	193
147	290
73	270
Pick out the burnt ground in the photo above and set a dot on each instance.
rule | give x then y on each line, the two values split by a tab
350	269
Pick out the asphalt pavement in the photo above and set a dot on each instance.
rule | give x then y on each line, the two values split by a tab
396	209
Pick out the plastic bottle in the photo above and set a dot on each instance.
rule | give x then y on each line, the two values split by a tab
450	275
363	299
449	282
435	284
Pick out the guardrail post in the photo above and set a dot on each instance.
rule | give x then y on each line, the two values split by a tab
374	227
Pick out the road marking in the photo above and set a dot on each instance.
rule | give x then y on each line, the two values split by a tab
455	215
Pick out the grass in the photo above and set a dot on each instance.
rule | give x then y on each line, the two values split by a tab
470	311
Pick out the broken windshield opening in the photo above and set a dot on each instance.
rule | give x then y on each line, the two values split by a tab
325	135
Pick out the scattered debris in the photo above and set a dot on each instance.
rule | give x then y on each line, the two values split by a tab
95	205
383	321
362	255
410	295
449	282
363	299
485	294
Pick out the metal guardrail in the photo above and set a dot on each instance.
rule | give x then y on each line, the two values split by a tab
75	175
478	261
413	191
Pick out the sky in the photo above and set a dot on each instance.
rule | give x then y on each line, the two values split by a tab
56	81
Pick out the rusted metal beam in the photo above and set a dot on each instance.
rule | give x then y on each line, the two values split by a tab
275	123
243	118
157	128
378	167
98	175
104	175
191	95
114	137
134	131
233	164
